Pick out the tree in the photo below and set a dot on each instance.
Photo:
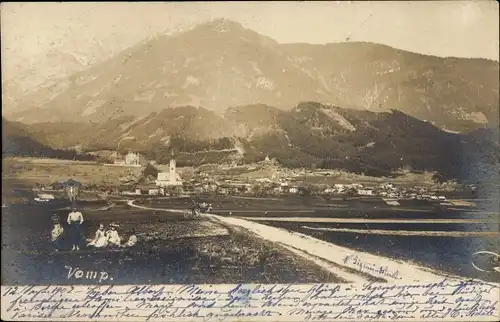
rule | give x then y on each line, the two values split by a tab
150	171
439	178
352	192
304	191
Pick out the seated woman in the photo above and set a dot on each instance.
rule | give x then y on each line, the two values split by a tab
132	240
100	240
57	235
112	236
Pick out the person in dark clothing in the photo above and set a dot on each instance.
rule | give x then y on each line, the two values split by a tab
75	220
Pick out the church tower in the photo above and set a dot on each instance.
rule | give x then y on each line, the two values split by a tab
173	174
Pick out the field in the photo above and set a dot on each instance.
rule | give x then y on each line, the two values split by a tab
171	249
420	232
47	171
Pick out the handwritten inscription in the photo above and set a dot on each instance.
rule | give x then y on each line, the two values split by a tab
441	300
371	268
78	273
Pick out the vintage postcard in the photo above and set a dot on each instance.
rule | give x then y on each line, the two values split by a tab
250	161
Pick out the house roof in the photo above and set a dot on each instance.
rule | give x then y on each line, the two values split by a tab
71	183
147	186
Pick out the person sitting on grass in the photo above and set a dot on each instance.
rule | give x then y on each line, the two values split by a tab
112	236
100	240
57	235
132	240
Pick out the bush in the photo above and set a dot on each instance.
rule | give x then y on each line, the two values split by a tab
150	171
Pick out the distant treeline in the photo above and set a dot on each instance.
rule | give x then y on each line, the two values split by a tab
22	146
181	144
192	152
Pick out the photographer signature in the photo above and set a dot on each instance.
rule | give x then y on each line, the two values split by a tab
494	260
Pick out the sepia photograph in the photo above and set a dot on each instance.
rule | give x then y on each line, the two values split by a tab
242	152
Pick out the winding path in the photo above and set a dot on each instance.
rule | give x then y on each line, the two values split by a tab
350	265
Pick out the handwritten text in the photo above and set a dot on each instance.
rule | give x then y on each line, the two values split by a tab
444	300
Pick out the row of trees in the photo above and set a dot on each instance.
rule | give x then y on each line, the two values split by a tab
183	144
25	147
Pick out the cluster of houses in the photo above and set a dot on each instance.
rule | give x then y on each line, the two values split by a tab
385	190
165	183
169	182
131	159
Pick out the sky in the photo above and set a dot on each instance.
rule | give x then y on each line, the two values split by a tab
441	28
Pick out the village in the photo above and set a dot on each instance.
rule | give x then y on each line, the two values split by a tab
155	182
291	161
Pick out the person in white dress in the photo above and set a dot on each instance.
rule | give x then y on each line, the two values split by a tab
132	240
100	240
57	234
112	236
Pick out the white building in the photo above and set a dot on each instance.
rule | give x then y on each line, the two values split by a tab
46	196
365	192
339	187
132	158
388	185
137	192
330	190
170	178
153	192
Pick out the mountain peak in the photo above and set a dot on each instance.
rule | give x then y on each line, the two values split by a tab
220	63
223	25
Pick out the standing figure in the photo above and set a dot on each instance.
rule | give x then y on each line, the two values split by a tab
112	236
100	240
72	189
75	219
57	235
72	194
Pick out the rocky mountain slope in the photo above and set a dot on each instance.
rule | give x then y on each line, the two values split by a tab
40	75
220	64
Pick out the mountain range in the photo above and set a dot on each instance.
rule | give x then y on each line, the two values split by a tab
220	64
310	134
219	92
